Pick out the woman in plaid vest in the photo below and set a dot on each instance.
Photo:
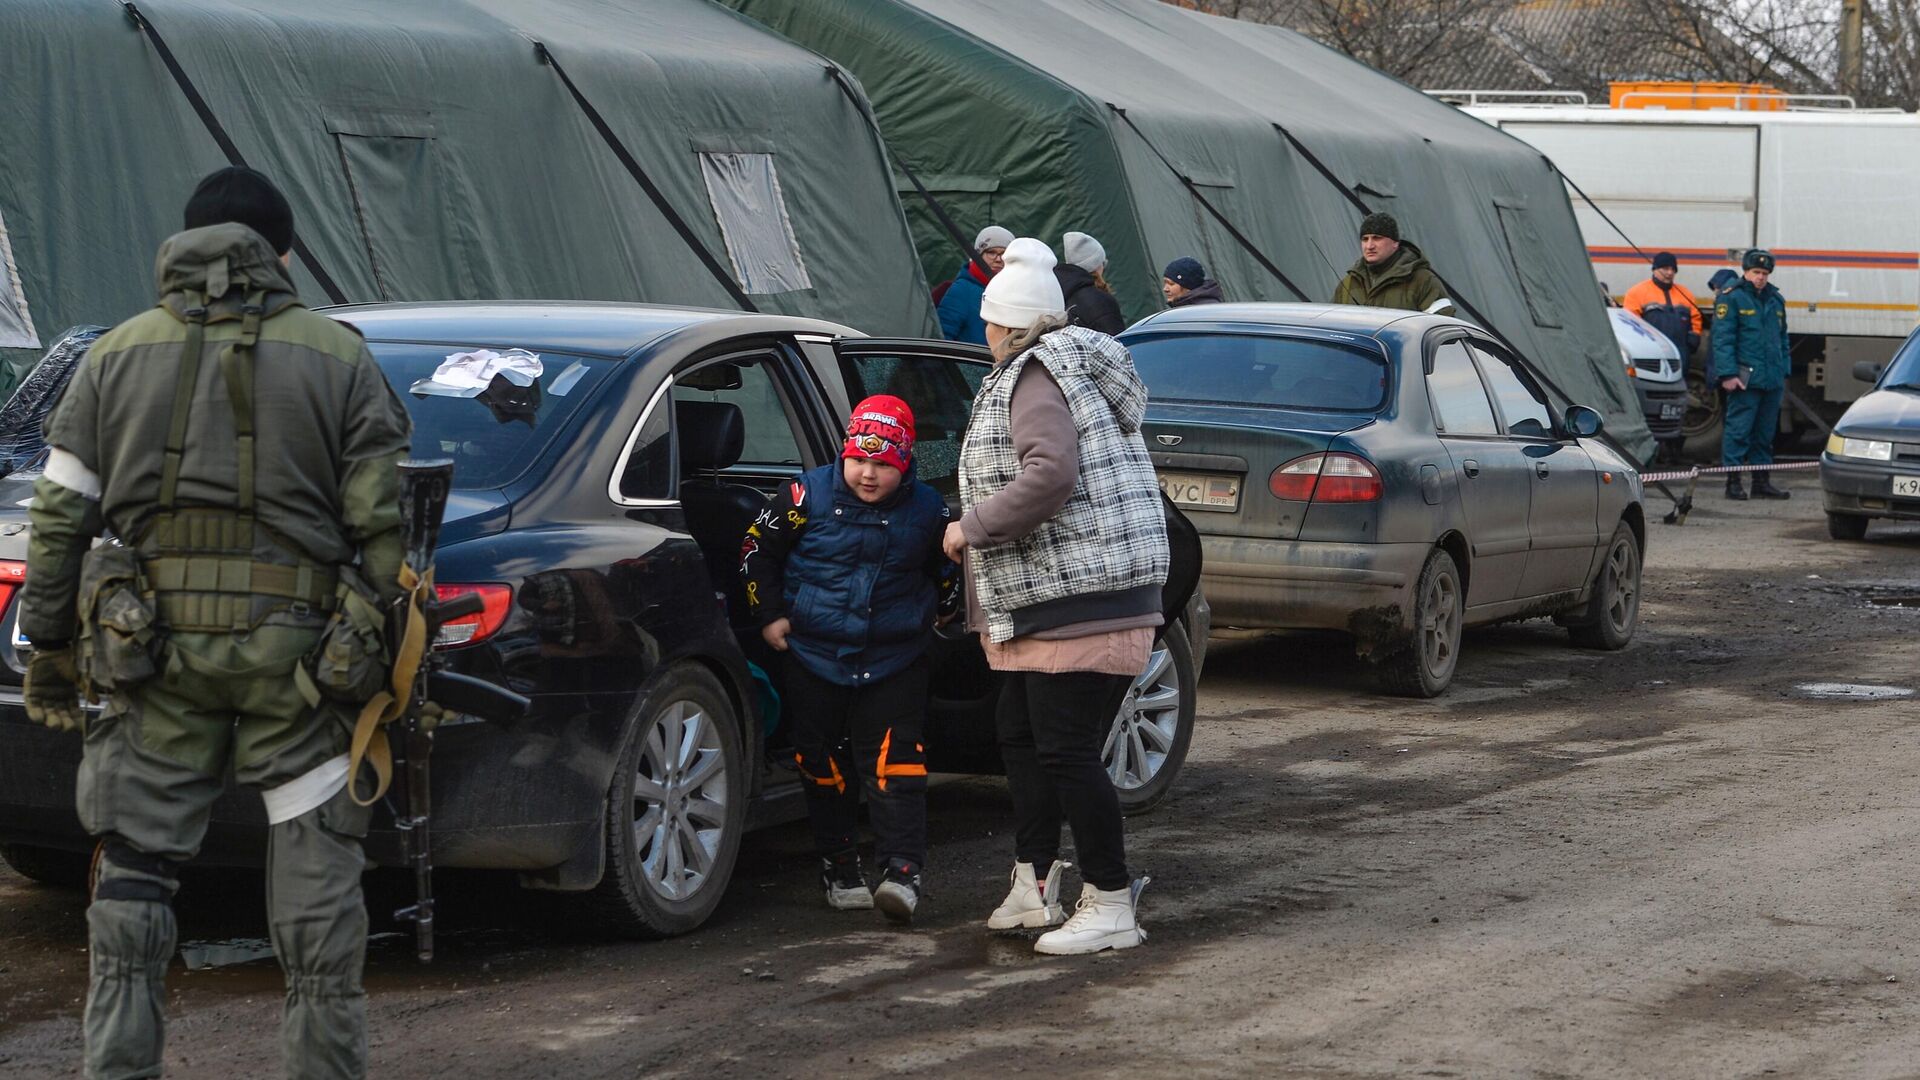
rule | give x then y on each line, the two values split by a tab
1065	551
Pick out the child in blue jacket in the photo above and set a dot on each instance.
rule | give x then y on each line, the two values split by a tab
845	573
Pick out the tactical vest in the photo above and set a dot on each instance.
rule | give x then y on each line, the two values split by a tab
216	569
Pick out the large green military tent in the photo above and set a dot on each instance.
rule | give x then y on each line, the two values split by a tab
1128	119
429	153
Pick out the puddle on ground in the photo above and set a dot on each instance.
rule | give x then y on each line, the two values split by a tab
1844	691
204	955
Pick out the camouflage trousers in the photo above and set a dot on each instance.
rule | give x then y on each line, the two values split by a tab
155	761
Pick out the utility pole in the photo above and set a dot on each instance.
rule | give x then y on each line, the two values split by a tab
1852	16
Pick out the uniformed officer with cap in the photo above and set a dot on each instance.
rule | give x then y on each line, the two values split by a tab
274	498
1751	354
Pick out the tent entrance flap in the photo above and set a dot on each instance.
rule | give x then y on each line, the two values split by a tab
407	210
1193	189
654	194
1524	247
219	134
752	214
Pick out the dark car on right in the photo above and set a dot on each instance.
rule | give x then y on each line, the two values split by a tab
1394	475
1871	468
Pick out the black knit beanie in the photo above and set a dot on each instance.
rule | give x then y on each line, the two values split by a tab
242	195
1380	224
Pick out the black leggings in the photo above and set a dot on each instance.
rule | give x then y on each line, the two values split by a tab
1052	728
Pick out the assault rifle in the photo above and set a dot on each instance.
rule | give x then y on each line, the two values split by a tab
424	486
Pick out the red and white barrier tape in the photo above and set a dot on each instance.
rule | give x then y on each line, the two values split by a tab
1715	470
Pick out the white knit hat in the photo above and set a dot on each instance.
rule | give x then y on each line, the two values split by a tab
1025	291
1084	252
993	236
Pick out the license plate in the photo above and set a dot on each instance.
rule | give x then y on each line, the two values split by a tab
1202	491
1908	486
1672	412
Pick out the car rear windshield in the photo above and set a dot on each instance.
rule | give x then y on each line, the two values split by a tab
1261	369
492	416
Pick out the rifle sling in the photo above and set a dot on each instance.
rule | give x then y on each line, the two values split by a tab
370	743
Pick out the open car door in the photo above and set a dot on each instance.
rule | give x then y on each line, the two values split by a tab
1148	742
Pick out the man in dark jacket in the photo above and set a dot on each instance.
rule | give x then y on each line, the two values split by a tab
1083	282
1391	272
1751	354
1185	282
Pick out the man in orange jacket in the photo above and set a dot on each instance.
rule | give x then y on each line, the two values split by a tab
1668	305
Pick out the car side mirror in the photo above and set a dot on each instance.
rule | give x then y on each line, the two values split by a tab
1584	423
1867	371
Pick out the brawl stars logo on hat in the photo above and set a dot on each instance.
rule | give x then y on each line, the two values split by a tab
881	429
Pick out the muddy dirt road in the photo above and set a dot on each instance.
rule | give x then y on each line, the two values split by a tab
1666	862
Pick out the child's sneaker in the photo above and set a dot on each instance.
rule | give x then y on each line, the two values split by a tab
845	883
899	891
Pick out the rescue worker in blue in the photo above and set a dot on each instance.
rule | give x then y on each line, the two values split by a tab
1750	358
846	576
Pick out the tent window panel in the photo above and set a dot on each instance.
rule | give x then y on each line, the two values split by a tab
16	324
745	192
1528	253
400	204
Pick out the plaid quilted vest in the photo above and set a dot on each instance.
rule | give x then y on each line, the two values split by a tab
1110	539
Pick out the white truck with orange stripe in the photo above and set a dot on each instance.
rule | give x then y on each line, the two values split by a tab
1833	191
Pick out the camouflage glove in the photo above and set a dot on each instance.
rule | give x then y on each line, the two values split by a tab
53	689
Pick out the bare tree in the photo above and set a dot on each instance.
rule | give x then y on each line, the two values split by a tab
1793	45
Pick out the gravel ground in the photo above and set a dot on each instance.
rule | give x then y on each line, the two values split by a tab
1669	861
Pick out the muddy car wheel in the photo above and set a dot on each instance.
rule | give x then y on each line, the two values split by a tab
66	869
1847	526
1424	665
1148	741
675	811
1613	613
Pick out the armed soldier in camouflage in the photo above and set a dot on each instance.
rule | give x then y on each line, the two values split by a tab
271	515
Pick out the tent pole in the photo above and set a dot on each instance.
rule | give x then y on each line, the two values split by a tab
219	133
1193	189
646	183
933	204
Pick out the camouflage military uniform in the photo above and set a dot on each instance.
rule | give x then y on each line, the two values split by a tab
277	483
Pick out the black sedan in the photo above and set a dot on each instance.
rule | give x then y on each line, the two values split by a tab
1871	468
1396	476
603	484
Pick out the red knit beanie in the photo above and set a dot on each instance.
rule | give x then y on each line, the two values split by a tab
881	429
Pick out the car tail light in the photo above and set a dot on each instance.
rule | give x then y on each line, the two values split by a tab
1336	478
495	601
12	575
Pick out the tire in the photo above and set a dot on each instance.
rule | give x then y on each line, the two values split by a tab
1613	612
1148	741
48	866
1705	417
668	879
1423	666
1847	526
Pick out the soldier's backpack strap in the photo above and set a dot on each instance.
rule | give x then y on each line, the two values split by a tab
183	402
236	367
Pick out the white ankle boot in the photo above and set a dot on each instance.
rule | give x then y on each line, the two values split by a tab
1101	920
1030	904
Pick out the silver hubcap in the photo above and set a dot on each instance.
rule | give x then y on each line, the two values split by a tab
1143	733
679	801
1440	623
1623	594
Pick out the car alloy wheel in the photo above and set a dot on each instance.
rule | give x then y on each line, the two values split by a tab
680	791
1149	721
1623	594
1440	624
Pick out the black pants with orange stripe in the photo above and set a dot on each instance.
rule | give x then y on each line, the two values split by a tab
850	738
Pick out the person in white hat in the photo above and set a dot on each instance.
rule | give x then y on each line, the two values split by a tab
1083	280
1065	550
960	304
